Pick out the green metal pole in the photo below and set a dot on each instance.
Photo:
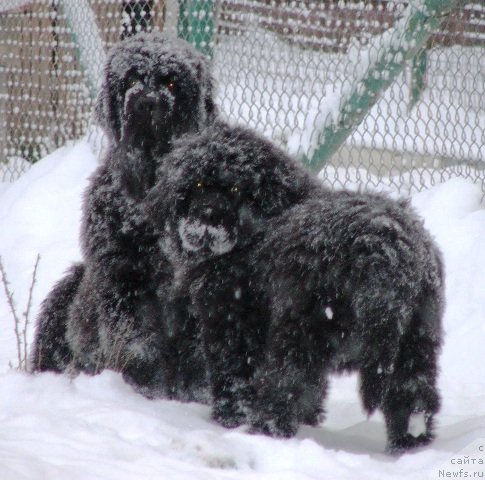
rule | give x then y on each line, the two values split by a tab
418	77
196	24
395	47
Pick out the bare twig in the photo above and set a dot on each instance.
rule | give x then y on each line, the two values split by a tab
20	332
27	310
11	304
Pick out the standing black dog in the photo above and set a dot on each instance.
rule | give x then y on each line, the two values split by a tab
288	294
210	206
109	311
355	283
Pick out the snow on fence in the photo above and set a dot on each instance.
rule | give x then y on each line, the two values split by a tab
280	67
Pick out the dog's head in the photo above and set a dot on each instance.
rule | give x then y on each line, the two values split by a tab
155	88
213	219
214	190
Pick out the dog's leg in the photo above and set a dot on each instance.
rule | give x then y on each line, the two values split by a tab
413	398
82	330
381	301
50	351
183	353
380	343
112	327
233	333
292	382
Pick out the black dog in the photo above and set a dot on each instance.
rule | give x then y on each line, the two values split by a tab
355	283
215	193
109	311
340	281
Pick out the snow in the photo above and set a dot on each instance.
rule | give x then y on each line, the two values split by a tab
195	235
98	428
417	424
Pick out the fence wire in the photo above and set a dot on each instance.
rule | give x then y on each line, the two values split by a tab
281	67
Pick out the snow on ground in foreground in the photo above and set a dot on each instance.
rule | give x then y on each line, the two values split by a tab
97	428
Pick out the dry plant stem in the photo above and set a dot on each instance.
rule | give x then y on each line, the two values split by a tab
26	314
20	332
11	304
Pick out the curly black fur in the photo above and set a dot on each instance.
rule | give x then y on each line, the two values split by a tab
215	193
291	282
355	283
155	90
51	350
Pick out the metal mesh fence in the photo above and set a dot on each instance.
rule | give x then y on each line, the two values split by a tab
282	67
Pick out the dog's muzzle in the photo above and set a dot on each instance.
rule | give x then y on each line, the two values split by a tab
196	236
155	106
147	109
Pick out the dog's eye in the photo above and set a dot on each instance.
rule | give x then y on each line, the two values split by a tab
132	81
166	83
199	184
170	85
235	189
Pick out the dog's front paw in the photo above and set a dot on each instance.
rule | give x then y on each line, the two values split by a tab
275	427
228	414
408	442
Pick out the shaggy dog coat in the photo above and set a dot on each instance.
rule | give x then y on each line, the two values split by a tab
354	283
109	311
291	282
214	195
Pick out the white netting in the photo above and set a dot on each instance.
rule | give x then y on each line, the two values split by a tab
281	67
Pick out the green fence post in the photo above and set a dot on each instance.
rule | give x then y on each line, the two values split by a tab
394	48
196	24
418	77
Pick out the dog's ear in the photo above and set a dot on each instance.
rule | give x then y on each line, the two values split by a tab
209	111
106	113
210	108
157	206
165	200
276	181
281	186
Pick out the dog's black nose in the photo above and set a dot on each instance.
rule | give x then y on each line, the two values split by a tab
145	105
211	215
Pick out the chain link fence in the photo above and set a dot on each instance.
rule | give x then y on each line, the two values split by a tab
282	67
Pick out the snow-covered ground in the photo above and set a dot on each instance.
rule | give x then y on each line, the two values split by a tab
94	428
